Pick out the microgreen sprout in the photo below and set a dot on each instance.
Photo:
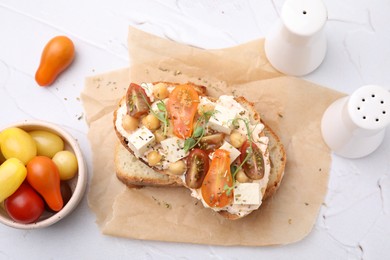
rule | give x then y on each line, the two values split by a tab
199	131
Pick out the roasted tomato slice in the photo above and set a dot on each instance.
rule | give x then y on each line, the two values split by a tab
218	180
182	107
197	165
136	101
254	164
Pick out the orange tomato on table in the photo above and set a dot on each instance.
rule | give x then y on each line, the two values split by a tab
57	55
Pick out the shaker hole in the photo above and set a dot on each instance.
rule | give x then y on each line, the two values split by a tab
382	102
376	119
358	108
304	12
363	99
373	95
383	112
364	117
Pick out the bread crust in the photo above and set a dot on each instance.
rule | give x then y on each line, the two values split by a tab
276	151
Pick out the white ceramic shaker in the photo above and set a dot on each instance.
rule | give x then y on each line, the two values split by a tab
354	126
297	44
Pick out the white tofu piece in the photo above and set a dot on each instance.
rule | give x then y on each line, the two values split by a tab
140	140
221	120
234	153
173	147
247	193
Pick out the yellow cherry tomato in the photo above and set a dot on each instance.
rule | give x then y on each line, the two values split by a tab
12	174
48	143
66	163
17	143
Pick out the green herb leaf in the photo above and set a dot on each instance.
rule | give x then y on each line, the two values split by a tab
198	132
161	106
189	143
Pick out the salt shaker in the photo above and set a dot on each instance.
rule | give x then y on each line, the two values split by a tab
297	44
354	126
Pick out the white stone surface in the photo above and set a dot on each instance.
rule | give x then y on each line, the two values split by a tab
354	222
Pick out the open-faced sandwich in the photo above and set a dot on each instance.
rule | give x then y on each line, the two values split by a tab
219	148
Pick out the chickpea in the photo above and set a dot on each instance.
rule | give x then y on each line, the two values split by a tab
129	123
241	177
151	122
177	168
237	139
160	90
154	158
159	135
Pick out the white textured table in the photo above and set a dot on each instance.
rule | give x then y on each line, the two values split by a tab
354	222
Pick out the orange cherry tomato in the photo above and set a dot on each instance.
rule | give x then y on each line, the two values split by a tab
218	180
57	55
43	176
182	107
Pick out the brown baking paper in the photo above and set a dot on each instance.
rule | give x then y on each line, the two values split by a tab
291	106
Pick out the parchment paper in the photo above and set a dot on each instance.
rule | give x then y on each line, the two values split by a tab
291	106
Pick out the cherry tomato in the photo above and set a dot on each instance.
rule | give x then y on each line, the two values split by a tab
217	185
24	205
137	101
197	165
254	165
212	142
12	174
57	55
66	163
17	143
43	176
182	108
48	143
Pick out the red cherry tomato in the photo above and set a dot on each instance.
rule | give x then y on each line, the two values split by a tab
43	176
137	101
24	205
182	108
218	180
254	165
197	165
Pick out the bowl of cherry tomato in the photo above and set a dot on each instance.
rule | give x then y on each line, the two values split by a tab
43	175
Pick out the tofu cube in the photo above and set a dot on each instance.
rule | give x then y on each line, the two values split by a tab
221	120
173	147
247	193
234	153
140	140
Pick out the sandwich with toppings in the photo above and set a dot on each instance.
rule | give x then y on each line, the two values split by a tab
173	134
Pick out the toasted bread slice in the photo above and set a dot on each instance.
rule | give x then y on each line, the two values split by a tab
133	171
